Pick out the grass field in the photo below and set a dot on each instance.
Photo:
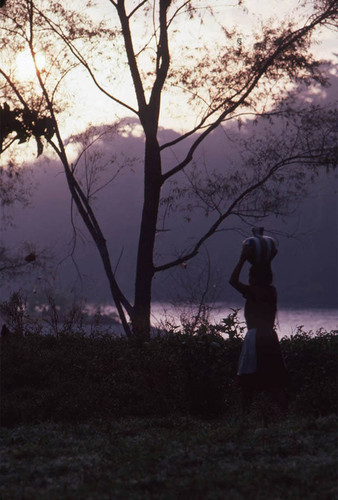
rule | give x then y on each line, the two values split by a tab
94	417
172	457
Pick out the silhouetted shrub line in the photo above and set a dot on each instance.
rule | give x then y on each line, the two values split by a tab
74	377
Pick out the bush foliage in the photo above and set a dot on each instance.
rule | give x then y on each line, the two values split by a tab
76	377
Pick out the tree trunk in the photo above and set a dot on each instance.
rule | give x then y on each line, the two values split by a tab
145	265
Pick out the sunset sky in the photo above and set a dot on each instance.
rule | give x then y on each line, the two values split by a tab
90	105
47	223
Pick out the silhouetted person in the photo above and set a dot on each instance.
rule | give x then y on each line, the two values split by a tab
260	364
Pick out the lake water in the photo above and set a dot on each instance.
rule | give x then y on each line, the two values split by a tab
287	319
164	314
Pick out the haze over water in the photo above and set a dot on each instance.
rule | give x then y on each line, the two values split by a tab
288	320
165	314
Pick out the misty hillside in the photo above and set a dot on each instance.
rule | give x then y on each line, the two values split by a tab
305	268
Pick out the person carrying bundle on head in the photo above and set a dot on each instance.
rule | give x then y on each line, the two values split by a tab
260	365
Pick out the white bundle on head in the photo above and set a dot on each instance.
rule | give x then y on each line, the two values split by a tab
262	248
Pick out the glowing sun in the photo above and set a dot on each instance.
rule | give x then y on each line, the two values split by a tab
25	65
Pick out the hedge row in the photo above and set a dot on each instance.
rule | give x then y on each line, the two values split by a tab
75	377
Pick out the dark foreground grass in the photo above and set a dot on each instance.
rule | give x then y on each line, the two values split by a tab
93	417
172	458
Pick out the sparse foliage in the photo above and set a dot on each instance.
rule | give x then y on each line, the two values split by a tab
21	124
144	44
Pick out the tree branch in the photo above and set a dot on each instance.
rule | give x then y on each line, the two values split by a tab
162	62
138	86
15	89
136	8
76	53
283	45
297	159
86	212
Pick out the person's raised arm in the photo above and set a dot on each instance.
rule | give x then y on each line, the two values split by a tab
234	278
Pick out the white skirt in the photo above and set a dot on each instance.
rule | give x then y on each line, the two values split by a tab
248	358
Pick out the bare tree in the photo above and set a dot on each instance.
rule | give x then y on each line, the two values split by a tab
237	78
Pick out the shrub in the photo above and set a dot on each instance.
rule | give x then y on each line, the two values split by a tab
76	377
311	361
